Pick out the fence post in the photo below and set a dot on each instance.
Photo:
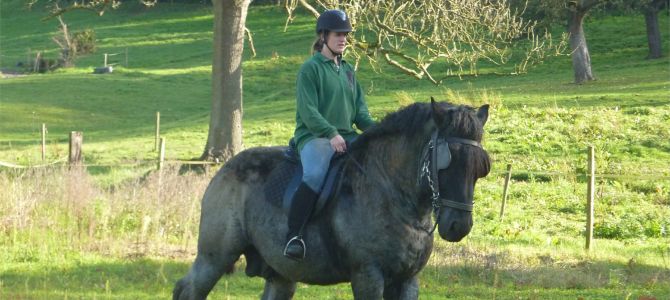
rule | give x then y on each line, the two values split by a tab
161	155
590	192
105	64
44	141
36	65
158	130
504	197
76	140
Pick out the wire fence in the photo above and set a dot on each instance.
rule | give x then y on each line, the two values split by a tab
76	141
140	163
75	158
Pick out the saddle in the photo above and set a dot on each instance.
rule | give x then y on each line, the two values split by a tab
287	176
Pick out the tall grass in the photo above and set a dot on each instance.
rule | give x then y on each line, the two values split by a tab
62	208
146	228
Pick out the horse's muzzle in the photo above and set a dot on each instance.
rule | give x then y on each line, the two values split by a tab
454	226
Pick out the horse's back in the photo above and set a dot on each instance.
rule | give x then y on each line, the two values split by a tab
254	164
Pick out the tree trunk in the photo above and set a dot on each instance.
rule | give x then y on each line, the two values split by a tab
581	60
225	126
653	31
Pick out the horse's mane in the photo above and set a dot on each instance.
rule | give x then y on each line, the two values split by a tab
461	121
410	123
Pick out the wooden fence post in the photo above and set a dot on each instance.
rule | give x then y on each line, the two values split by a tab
44	141
76	140
158	130
590	192
161	155
105	63
504	197
36	65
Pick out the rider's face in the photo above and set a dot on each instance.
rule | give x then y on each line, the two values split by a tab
337	41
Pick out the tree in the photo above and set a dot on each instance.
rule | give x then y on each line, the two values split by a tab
412	36
552	11
650	10
581	59
224	138
225	126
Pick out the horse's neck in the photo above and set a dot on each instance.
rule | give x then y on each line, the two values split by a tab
391	174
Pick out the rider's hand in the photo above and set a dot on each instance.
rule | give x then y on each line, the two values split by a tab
338	144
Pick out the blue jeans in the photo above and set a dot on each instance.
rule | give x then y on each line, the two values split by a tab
315	158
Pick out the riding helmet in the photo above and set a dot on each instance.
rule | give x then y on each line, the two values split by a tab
333	20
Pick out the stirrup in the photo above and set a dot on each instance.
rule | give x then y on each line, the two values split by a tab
297	239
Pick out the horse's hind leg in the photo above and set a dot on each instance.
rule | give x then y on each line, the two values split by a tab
220	244
205	272
278	288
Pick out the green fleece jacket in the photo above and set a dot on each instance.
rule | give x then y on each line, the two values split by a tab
329	101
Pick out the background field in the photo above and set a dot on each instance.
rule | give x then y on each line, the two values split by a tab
112	232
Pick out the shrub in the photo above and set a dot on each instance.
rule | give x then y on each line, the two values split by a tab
84	41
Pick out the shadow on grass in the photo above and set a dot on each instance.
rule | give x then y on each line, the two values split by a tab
470	278
126	279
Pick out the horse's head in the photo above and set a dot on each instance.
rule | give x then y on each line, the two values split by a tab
459	160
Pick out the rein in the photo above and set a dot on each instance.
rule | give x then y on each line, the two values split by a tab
429	169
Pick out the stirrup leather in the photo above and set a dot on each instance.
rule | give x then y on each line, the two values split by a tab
297	239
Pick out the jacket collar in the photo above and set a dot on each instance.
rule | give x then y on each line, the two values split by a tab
324	59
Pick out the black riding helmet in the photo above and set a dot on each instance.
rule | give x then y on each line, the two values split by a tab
333	20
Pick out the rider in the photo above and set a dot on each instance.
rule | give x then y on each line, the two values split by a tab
329	102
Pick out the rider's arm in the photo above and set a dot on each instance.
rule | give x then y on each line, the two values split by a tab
363	120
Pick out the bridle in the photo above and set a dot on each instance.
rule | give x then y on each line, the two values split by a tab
437	156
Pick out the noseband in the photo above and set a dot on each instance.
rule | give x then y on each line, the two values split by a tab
437	156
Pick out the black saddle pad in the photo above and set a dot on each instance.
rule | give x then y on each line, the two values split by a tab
287	176
278	181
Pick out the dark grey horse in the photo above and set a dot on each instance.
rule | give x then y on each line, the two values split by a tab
376	233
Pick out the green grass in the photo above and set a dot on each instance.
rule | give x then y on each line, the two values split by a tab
110	233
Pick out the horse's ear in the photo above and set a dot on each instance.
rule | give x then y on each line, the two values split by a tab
439	114
483	113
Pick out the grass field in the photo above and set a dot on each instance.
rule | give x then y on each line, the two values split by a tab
112	233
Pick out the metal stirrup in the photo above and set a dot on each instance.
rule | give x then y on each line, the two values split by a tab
299	239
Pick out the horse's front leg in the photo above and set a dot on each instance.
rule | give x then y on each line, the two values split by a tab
368	283
405	290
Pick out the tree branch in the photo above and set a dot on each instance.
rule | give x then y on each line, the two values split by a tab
310	8
251	41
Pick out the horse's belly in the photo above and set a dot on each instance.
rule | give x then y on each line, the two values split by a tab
319	266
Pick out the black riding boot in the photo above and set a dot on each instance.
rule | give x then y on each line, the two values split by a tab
303	203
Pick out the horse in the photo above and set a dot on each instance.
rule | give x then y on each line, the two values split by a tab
377	230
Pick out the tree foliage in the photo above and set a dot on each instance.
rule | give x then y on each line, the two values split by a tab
413	36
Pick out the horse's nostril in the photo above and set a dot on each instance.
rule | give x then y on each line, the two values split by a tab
454	226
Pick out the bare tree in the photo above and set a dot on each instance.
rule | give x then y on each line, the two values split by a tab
66	44
412	36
